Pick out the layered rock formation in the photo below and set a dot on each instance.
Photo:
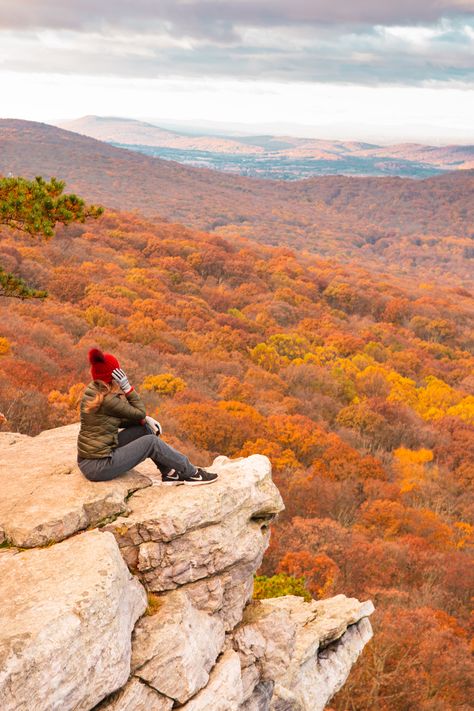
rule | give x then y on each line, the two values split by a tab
131	596
67	615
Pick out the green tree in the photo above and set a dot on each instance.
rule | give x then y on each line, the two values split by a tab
36	207
279	585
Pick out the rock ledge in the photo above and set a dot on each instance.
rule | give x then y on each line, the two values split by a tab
80	560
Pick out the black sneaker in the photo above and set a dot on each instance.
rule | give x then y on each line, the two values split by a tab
201	476
172	478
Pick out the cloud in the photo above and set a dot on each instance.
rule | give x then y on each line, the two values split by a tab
220	19
368	42
374	55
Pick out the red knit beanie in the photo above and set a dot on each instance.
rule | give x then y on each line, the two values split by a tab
102	365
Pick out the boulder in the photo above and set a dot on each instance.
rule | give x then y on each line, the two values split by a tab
322	675
305	648
225	594
200	553
318	622
45	498
67	615
208	540
224	689
174	649
266	638
244	490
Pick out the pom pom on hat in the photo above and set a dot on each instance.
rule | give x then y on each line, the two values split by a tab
102	365
96	356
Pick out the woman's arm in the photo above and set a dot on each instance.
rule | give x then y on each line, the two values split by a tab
127	408
129	423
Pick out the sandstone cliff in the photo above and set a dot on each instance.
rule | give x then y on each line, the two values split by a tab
131	596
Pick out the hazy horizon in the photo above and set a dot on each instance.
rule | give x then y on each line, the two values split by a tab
202	126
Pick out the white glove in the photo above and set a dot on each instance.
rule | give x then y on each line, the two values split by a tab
154	425
119	376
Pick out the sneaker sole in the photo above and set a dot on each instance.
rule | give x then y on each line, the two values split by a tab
199	483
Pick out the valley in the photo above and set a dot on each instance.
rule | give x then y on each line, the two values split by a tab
416	229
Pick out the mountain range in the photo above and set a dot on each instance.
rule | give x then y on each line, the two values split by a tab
418	228
281	157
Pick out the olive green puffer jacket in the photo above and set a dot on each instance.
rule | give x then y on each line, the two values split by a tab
99	428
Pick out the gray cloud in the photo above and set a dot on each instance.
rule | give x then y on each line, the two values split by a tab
374	57
324	40
220	19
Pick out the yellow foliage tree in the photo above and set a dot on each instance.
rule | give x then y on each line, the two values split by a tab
267	357
5	346
144	329
431	401
322	355
281	459
97	316
402	390
436	398
464	410
412	467
165	384
289	345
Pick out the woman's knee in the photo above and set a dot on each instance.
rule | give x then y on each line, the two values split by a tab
151	443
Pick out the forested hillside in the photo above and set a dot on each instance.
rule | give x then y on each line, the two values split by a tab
420	228
358	387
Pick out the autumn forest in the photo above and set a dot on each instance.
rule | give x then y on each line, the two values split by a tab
358	384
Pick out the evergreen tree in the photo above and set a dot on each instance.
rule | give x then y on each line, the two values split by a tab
36	207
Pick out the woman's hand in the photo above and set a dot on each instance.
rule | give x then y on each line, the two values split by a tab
154	425
121	379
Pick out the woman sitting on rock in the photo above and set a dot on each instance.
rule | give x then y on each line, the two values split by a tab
116	434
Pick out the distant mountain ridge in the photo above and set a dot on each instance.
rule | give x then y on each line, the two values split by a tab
133	132
387	223
276	156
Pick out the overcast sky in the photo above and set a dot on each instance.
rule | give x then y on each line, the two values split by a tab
368	69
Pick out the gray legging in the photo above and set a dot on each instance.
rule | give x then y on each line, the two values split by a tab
135	444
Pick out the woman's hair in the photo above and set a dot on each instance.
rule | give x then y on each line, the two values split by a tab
103	390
